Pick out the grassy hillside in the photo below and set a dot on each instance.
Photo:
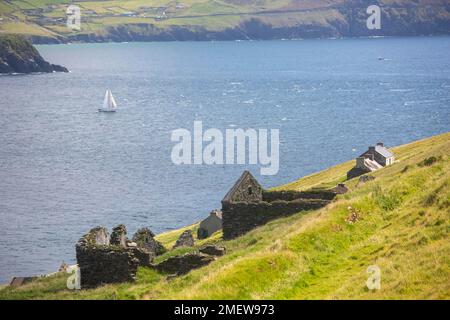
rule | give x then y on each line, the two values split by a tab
402	226
125	20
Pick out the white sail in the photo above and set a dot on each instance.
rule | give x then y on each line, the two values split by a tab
112	102
105	101
109	104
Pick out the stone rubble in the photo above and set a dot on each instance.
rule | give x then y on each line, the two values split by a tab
180	265
185	240
213	250
144	238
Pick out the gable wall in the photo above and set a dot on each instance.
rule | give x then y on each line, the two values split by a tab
376	156
248	190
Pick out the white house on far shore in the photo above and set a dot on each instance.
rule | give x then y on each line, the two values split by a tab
376	157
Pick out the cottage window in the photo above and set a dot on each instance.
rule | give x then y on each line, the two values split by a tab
250	191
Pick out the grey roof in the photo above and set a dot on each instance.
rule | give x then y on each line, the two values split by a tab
384	151
381	150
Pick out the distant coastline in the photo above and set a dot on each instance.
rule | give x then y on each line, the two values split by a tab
255	20
180	34
50	43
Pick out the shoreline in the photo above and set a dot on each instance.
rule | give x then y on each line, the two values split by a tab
109	41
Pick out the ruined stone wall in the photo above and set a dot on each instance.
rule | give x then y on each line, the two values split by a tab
241	217
105	264
290	195
103	259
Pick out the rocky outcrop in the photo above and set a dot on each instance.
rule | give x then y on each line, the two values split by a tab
180	265
144	238
213	250
185	240
17	55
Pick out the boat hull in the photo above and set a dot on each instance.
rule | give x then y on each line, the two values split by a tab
102	110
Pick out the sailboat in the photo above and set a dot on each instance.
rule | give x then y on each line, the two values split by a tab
109	104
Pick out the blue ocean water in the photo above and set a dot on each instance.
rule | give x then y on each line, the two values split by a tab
65	168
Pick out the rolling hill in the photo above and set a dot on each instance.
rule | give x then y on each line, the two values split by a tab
44	21
398	222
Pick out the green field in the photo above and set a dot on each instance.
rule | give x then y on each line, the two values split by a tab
217	19
38	14
403	227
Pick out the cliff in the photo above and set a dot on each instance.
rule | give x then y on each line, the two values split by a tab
17	55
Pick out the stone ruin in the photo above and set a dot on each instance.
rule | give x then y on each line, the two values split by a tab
103	259
185	240
144	238
119	236
247	205
106	259
100	262
210	225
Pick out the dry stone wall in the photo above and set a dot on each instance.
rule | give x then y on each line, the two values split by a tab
241	217
289	195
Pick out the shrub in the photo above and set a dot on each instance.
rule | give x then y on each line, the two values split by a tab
427	161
